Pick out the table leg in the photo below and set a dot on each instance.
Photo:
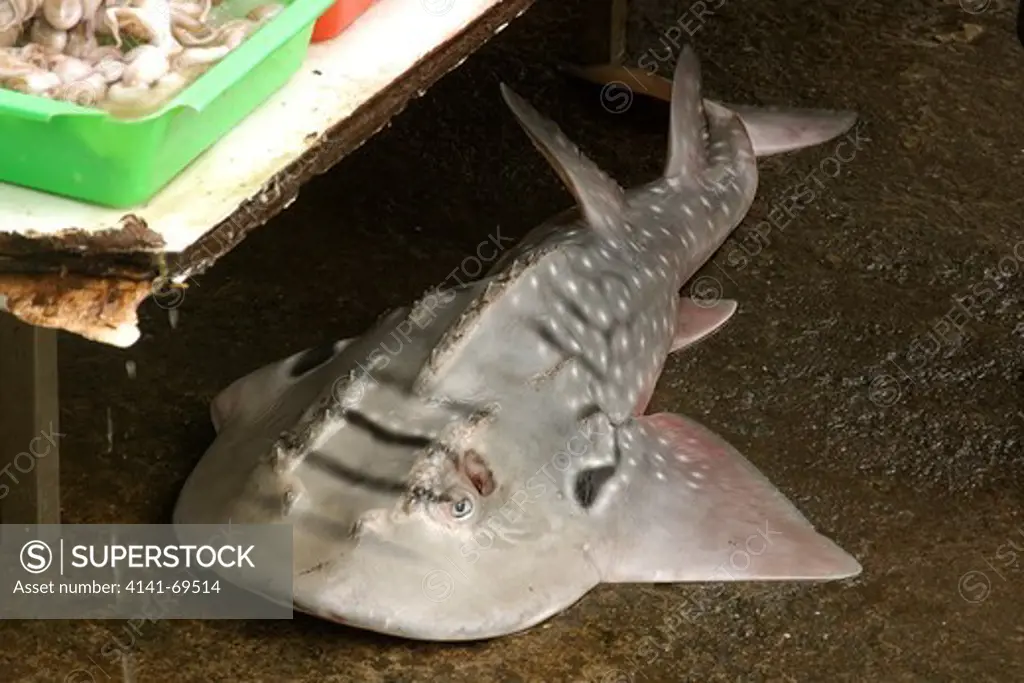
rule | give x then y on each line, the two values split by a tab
1020	22
29	424
602	59
603	34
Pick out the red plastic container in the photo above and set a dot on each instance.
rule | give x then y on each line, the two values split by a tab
338	18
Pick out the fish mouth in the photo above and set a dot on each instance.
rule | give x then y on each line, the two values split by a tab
415	582
385	586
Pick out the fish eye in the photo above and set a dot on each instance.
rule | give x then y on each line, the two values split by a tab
461	508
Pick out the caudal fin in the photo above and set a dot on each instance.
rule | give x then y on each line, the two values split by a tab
772	130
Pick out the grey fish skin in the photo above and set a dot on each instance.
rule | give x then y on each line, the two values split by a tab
476	463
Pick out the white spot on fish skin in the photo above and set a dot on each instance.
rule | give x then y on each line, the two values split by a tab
693	484
682	457
656	209
698	475
705	203
660	476
534	282
688	211
632	397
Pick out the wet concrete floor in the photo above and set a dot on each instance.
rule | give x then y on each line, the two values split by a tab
841	377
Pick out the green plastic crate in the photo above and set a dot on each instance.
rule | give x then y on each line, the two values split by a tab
93	156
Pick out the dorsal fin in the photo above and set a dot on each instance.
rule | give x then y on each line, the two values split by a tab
688	134
601	199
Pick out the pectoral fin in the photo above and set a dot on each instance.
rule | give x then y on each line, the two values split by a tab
686	506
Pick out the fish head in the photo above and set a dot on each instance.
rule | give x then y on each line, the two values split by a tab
468	552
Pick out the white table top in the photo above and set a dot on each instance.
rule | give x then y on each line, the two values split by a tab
336	79
242	170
